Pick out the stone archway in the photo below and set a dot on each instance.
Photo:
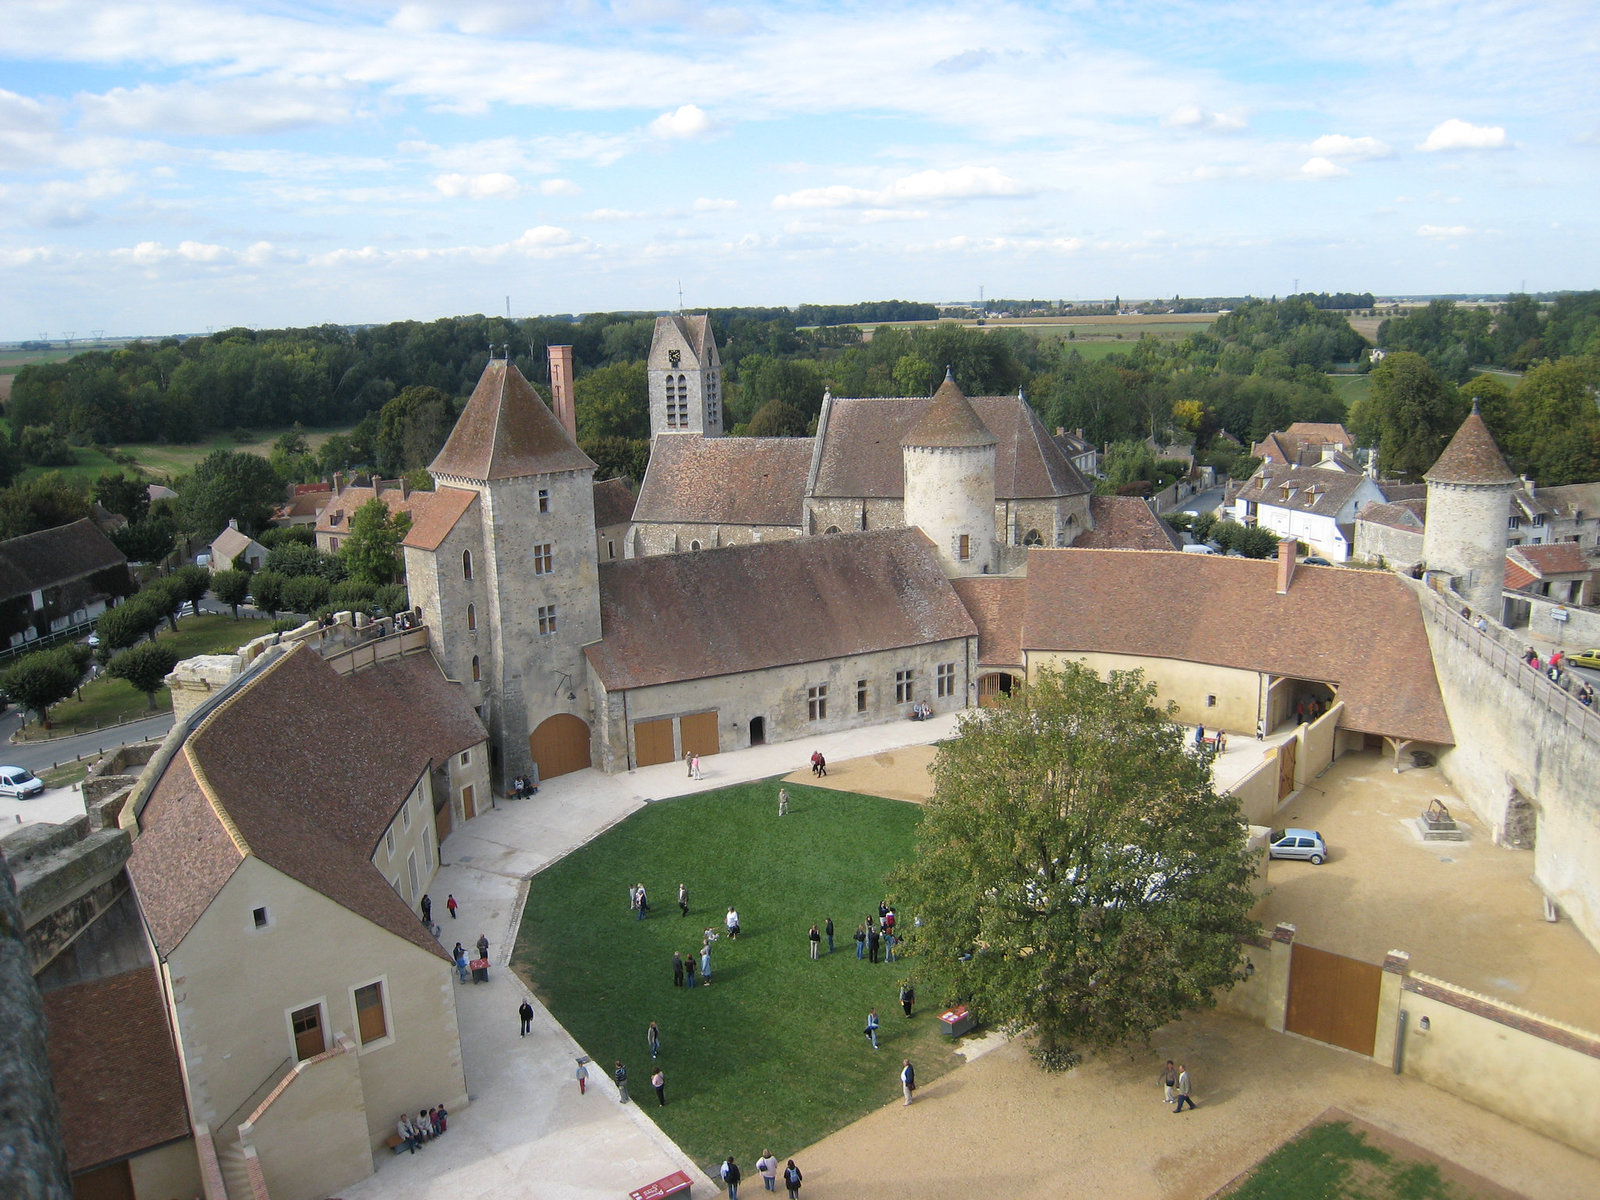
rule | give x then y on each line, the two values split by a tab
1521	828
560	745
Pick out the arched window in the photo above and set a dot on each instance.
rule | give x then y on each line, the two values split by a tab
1033	538
694	545
472	616
477	671
466	564
831	529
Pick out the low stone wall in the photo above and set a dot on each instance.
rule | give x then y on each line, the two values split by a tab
1580	630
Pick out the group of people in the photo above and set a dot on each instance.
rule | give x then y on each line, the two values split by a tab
638	901
873	933
920	711
767	1168
522	786
429	1124
683	965
1175	1081
691	760
458	955
819	765
1307	709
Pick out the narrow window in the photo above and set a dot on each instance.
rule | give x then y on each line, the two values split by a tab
466	564
694	545
370	1021
946	679
904	686
472	617
476	673
817	702
405	816
259	915
544	500
547	618
1211	701
543	558
466	757
411	876
966	548
388	842
427	845
307	1025
611	548
861	695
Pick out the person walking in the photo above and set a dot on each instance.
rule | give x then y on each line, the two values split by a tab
583	1078
768	1167
1169	1082
908	996
1183	1090
688	763
908	1079
683	900
783	802
872	943
621	1076
816	762
733	924
694	767
872	1027
791	1180
525	1011
677	969
644	904
659	1082
861	943
815	939
652	1038
731	1177
427	910
888	944
827	932
450	903
822	765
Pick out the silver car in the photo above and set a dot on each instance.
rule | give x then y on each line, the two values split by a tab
1305	844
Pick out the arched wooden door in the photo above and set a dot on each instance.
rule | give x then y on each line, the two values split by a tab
560	745
992	687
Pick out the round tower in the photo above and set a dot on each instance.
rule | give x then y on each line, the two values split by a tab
948	459
1469	508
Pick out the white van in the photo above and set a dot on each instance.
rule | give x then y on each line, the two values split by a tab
1198	548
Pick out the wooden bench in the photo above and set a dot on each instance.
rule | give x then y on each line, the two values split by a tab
396	1143
670	1185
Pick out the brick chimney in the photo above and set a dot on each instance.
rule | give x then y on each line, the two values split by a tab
561	399
338	483
1286	549
405	488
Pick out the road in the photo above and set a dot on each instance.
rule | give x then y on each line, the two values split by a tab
41	756
1202	502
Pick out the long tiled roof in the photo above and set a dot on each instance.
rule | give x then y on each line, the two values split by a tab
1311	489
725	480
305	769
771	604
1360	631
506	431
339	508
1552	558
114	1068
862	439
1125	523
1471	456
48	557
613	502
1402	514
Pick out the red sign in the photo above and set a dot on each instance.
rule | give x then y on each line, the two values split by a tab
670	1186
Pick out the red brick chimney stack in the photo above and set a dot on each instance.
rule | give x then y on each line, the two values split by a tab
1286	549
561	399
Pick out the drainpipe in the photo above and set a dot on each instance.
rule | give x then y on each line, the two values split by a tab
1400	1042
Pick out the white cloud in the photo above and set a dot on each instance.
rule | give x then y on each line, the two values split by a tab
1442	231
1456	134
708	204
1321	168
1339	145
559	187
234	106
689	121
959	183
494	185
615	214
1192	116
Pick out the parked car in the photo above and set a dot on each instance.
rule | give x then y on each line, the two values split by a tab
1316	560
1305	844
19	783
1585	658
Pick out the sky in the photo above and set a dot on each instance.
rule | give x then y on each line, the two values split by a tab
179	166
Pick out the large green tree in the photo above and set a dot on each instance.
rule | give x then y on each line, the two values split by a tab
228	484
230	588
145	666
1075	872
1408	412
372	551
40	680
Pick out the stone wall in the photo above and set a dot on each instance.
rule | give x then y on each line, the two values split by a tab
662	537
1580	631
1399	549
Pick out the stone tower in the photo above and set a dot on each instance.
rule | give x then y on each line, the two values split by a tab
1469	506
522	556
948	458
685	377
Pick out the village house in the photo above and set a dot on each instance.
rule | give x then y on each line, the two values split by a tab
58	580
232	550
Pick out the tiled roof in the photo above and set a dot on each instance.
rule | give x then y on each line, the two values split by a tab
613	502
1360	631
340	507
1394	492
1125	523
861	454
114	1068
1311	489
1471	456
1319	433
1572	498
49	557
771	604
305	769
506	431
1552	558
948	422
1517	577
725	480
230	543
304	504
995	603
1528	504
431	522
1301	444
1405	514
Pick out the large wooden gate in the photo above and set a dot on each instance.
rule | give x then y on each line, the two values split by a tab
1333	998
1286	767
699	733
652	742
560	745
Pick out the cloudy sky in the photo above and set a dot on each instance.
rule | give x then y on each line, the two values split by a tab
184	165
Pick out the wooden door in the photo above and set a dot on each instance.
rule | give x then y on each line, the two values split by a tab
652	742
469	805
308	1040
1333	998
991	687
698	732
560	745
1286	754
441	822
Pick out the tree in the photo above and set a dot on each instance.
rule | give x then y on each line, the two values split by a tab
125	624
412	429
40	680
43	502
304	593
613	401
615	457
1409	413
372	551
1075	872
227	484
145	666
777	419
145	541
230	588
192	583
163	595
121	494
267	587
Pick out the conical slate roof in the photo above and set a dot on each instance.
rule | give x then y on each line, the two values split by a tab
949	422
1471	456
506	431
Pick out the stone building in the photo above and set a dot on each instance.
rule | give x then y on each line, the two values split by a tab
685	377
57	580
1469	509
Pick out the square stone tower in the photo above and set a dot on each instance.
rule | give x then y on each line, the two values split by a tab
685	374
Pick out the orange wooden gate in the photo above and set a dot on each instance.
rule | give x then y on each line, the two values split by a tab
1286	767
652	742
699	733
442	821
1333	998
560	745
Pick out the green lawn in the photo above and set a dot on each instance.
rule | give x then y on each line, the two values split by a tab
107	700
772	1054
1350	388
1334	1162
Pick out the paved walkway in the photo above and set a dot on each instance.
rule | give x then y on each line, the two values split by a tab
527	1132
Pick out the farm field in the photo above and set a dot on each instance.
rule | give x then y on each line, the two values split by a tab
1130	328
159	460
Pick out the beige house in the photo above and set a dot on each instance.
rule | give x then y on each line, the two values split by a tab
232	550
280	856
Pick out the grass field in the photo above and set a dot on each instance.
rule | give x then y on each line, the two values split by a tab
1332	1161
772	1054
107	700
158	460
